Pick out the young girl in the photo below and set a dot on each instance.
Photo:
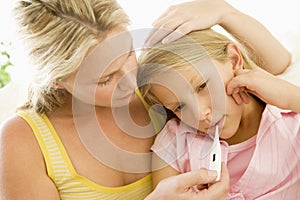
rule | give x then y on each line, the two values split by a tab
189	78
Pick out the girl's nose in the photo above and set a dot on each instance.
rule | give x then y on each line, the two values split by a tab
204	113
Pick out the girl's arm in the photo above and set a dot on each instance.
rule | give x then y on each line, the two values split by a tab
183	18
23	174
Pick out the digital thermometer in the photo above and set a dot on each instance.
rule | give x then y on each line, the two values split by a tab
215	154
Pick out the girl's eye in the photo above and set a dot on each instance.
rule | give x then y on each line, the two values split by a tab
201	87
179	107
106	81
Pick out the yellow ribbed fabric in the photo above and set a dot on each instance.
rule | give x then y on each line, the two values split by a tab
60	169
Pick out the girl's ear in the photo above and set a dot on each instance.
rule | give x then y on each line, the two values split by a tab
235	56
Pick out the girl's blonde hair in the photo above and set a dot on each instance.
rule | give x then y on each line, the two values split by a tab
193	47
58	35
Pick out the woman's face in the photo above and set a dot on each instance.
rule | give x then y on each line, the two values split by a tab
107	76
198	97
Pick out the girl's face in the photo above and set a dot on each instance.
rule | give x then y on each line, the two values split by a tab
107	76
198	97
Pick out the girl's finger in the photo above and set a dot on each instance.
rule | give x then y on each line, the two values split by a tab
245	97
237	98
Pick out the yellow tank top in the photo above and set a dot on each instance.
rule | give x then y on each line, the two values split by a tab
60	169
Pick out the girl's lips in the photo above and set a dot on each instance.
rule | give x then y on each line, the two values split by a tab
210	129
219	123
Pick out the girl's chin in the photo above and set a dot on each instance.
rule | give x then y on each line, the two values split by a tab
226	135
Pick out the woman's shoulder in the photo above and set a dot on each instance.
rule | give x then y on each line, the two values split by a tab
18	141
15	127
22	162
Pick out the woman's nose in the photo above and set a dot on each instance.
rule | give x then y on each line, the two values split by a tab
128	78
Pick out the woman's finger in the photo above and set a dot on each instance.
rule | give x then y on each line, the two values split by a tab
181	30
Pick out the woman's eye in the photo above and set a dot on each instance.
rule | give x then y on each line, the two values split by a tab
201	87
179	107
105	81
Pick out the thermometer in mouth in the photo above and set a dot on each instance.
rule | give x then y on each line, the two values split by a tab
215	154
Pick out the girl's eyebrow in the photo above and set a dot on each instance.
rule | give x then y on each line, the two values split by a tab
196	79
193	79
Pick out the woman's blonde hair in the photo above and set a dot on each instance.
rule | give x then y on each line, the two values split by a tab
179	54
58	35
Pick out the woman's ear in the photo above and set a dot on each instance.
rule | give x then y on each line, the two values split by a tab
235	56
58	85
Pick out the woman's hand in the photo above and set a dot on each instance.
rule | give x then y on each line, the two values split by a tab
183	18
181	186
186	17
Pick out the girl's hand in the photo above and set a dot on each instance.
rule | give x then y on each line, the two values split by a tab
267	87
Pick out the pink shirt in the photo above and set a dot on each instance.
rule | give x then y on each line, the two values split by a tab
267	166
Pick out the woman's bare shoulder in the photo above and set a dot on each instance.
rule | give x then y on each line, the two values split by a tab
15	128
17	140
22	167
